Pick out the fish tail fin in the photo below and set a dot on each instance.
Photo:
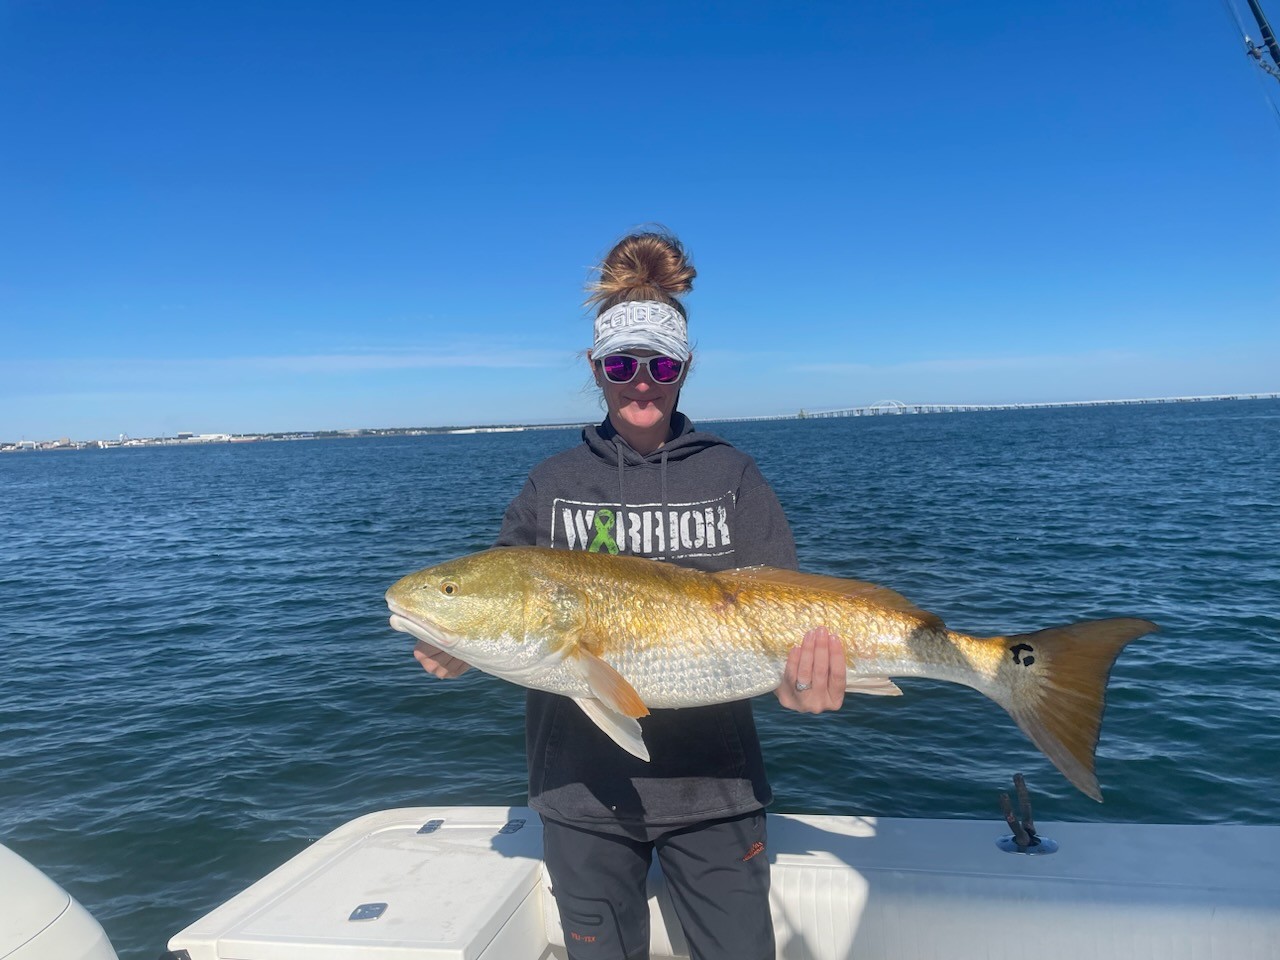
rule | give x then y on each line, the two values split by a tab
1059	691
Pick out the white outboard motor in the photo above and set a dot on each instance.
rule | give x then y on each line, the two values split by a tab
40	921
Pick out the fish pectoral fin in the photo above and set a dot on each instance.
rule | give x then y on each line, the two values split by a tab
819	583
874	686
624	731
609	686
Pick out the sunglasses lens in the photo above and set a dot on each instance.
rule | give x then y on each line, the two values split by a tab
619	368
665	369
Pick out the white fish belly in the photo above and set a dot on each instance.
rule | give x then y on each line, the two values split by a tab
664	678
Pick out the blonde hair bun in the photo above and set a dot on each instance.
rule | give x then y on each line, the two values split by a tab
643	266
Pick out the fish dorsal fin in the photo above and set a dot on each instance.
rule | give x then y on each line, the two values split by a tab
608	685
855	589
624	731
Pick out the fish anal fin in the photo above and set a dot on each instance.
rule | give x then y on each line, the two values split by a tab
874	686
609	686
624	731
871	593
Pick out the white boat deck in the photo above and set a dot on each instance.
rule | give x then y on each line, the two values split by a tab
466	883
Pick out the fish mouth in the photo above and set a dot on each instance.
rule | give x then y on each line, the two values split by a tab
405	622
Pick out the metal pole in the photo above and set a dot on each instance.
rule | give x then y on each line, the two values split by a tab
1268	37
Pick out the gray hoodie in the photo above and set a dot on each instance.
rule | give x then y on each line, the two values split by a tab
697	502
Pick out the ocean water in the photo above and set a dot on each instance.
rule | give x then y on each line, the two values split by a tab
197	678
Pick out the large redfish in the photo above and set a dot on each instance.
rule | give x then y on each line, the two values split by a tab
622	634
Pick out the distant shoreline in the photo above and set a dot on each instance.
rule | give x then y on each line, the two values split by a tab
882	408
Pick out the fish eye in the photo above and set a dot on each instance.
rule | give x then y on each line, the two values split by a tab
448	588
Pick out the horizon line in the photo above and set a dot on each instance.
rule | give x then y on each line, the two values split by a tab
879	408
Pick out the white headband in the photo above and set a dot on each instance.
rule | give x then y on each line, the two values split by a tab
644	325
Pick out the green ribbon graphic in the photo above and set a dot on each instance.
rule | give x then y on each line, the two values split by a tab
603	523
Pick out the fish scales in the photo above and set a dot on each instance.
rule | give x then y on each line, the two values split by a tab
731	644
676	639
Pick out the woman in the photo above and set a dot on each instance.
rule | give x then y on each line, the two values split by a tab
646	482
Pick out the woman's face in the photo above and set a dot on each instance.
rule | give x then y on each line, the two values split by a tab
642	404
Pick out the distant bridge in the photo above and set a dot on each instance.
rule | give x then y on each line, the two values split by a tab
897	407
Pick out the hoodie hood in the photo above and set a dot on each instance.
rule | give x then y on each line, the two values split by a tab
695	500
608	445
686	440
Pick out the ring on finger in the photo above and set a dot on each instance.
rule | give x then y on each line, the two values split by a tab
801	686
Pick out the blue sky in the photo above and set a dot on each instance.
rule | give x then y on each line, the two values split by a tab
280	216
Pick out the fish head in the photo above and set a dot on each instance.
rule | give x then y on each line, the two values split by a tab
492	609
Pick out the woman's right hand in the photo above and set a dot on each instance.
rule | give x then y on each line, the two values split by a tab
437	661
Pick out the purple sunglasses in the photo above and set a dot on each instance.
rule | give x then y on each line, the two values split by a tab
622	368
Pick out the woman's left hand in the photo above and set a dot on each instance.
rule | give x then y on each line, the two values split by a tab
815	676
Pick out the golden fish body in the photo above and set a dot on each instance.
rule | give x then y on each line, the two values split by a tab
622	634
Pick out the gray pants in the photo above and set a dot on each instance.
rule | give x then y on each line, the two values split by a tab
717	873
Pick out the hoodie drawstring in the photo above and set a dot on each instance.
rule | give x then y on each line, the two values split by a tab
620	448
663	515
622	499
